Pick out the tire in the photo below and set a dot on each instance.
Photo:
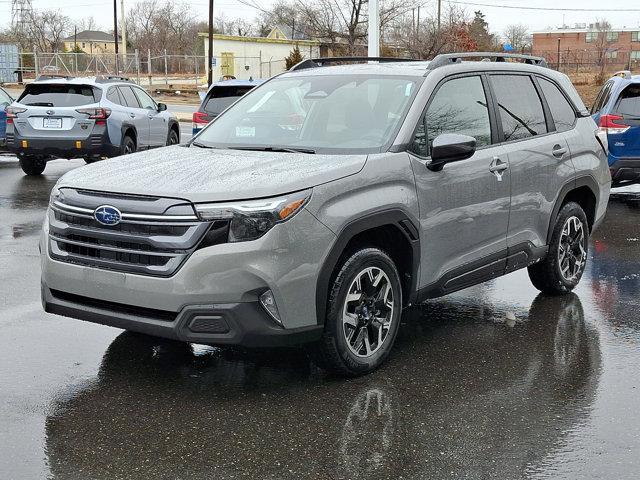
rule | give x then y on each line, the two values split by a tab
92	159
173	138
32	165
128	145
351	349
562	268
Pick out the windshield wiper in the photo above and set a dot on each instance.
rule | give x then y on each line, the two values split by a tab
40	104
276	149
201	145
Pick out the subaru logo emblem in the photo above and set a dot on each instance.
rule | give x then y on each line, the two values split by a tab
50	112
107	215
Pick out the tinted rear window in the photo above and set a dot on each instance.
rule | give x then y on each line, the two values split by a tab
51	95
221	97
629	101
520	107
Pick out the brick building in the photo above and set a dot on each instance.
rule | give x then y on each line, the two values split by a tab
589	46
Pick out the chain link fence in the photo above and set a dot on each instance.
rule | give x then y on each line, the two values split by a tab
575	60
161	71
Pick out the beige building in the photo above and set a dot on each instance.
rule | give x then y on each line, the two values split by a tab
90	41
255	57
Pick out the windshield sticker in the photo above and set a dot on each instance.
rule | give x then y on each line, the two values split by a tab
245	132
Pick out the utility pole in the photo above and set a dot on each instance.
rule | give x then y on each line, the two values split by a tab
210	52
374	29
558	53
115	31
439	12
123	27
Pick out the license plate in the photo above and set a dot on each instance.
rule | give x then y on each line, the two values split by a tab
52	123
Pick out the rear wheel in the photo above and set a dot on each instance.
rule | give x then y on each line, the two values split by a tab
32	165
562	269
91	159
365	304
173	138
128	145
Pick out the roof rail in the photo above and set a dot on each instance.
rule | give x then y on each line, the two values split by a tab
323	62
53	76
111	78
626	74
449	58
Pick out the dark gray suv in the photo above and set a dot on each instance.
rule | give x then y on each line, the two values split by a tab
329	198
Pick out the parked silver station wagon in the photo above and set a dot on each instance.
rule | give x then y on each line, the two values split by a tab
328	199
91	118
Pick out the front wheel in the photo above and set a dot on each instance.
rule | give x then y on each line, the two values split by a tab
364	309
173	138
562	269
32	165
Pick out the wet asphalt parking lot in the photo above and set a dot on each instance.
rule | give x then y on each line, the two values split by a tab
467	393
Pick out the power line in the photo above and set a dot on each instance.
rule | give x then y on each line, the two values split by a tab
548	9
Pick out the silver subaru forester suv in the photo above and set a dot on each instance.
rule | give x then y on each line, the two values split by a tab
325	201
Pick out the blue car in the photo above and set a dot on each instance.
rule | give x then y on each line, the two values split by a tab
220	96
5	101
617	112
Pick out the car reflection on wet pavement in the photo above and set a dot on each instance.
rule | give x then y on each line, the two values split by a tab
467	393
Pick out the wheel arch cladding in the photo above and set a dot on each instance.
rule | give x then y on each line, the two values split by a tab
130	130
583	191
394	232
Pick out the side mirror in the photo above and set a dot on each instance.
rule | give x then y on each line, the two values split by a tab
4	105
450	147
162	107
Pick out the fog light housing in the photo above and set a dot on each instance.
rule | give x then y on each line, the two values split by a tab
268	302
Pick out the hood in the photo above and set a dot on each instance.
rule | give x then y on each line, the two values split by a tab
209	175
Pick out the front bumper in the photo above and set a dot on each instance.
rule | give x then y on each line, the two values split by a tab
95	145
245	324
223	281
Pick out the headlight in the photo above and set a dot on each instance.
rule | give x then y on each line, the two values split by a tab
251	219
54	195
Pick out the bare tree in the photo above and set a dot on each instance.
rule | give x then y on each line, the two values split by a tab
44	31
517	36
425	40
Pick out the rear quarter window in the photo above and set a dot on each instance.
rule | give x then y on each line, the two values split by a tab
59	95
629	101
602	98
219	98
562	112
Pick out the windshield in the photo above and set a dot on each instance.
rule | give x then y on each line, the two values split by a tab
335	113
52	95
221	97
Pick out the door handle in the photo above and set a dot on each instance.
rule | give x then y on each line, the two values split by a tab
150	117
132	115
558	151
498	167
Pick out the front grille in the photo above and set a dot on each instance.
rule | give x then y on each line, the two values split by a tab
9	139
147	242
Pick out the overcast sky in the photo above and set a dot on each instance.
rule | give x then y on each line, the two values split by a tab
498	17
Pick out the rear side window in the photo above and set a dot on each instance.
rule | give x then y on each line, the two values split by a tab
52	95
629	101
114	96
561	110
130	99
220	98
459	106
603	98
519	107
